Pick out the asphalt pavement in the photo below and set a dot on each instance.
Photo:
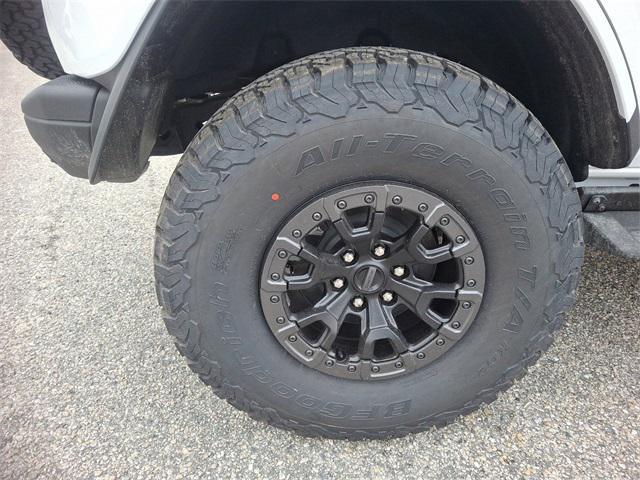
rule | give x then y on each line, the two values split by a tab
91	385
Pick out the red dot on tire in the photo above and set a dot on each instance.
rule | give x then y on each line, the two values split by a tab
275	197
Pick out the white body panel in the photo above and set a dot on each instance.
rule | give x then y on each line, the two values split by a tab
91	36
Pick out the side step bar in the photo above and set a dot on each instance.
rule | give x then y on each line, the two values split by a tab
612	219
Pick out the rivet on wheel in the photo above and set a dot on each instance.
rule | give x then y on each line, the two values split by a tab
369	198
329	363
423	207
296	233
274	299
421	355
444	221
440	341
455	325
398	271
351	368
357	302
317	216
399	364
387	296
338	283
348	257
342	204
397	200
460	239
466	305
471	283
375	369
282	254
309	353
292	338
468	260
280	320
275	276
379	250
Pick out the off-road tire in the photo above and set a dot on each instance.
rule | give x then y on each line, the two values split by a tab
495	163
24	32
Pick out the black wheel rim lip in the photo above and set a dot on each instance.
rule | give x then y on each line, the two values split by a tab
306	219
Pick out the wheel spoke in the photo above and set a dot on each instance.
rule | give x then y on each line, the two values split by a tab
360	235
380	325
331	311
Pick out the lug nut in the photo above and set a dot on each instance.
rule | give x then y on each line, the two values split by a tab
399	271
460	239
342	204
387	297
357	302
349	257
397	200
379	251
338	283
444	221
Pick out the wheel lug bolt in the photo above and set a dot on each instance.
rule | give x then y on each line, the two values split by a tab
309	353
342	204
421	355
471	283
282	254
455	325
349	257
351	368
368	198
357	302
317	216
387	296
397	200
444	221
399	271
280	320
338	283
460	239
399	364
297	233
379	250
375	369
274	299
293	338
440	341
423	207
275	276
468	260
466	305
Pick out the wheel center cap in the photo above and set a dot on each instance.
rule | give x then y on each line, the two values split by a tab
369	279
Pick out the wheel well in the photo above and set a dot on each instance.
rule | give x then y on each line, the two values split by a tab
540	52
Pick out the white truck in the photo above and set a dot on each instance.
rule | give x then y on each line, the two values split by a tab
377	220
